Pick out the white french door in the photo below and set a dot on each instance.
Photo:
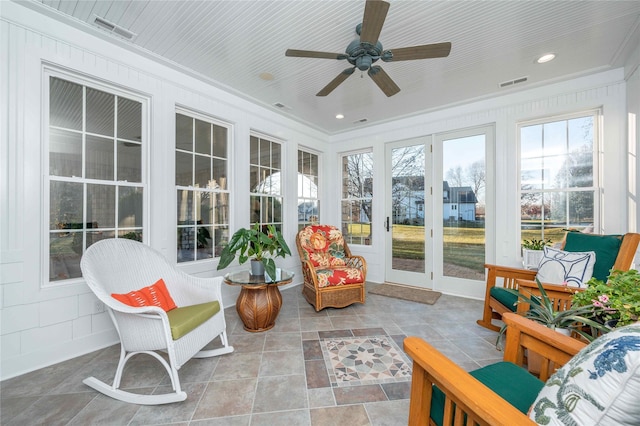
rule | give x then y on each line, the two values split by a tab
407	211
436	206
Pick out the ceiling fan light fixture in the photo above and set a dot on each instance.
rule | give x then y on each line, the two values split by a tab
546	58
339	116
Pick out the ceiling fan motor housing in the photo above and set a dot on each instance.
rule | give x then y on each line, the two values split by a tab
362	55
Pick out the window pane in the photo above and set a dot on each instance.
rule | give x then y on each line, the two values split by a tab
581	134
221	208
129	119
265	153
220	141
185	207
276	156
219	174
203	137
202	171
66	201
205	242
100	112
463	245
130	203
129	161
184	169
99	158
65	153
65	252
205	207
101	206
65	104
254	150
184	132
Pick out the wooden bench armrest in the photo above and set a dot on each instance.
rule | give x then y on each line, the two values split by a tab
480	404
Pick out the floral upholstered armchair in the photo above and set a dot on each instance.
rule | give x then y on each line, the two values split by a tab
332	276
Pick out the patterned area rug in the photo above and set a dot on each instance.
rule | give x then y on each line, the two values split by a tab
413	294
364	360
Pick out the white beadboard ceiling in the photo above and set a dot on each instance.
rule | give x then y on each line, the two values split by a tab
231	43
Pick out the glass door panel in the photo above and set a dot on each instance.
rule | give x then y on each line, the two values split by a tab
406	211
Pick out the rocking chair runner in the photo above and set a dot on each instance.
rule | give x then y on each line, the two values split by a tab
121	266
333	277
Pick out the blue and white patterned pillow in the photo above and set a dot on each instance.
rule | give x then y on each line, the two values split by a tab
598	386
574	268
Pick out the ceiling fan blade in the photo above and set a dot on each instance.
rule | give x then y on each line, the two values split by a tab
437	50
375	12
336	82
314	54
384	82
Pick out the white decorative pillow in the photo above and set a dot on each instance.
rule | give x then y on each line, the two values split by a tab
598	386
574	268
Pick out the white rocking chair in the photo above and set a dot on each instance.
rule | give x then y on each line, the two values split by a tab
120	266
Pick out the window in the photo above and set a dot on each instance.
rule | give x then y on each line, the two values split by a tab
308	203
264	179
558	176
202	187
96	176
357	195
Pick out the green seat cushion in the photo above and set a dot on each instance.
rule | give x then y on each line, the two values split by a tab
606	248
186	318
505	297
514	384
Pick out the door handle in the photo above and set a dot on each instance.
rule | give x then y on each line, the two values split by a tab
387	224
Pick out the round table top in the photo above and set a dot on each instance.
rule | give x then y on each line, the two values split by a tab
246	279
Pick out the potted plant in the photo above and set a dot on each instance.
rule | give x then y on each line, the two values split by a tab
573	319
257	245
532	251
618	298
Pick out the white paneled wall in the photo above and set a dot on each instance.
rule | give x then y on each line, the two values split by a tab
41	325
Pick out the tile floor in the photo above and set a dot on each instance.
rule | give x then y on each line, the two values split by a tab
278	377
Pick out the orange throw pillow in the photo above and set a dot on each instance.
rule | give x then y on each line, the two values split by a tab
154	295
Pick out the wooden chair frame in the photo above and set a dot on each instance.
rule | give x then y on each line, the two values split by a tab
514	277
465	395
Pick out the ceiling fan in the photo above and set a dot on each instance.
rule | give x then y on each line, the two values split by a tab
362	53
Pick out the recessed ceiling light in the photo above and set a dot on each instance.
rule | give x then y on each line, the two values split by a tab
546	58
339	116
267	76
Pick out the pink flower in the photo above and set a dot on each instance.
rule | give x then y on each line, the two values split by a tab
597	304
564	283
603	298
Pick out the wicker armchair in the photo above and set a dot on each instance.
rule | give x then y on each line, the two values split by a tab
333	277
117	271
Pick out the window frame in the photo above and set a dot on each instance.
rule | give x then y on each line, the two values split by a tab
48	72
262	195
305	150
596	187
212	121
368	241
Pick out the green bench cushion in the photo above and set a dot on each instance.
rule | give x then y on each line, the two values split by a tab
606	248
508	299
186	318
512	383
